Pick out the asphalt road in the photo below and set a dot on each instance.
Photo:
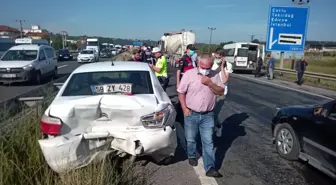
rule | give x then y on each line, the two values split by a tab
244	152
9	91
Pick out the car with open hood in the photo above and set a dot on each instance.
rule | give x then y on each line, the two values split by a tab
108	108
307	132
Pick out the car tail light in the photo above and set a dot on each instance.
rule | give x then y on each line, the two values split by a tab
156	119
50	125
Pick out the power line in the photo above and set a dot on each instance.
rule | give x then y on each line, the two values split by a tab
211	29
21	26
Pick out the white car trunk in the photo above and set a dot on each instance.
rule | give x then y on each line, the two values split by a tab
113	119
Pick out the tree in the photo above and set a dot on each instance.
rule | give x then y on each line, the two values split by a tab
57	42
256	41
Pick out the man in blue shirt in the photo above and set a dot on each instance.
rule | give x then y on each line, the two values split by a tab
270	67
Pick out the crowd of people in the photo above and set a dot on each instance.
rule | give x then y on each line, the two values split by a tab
300	67
201	82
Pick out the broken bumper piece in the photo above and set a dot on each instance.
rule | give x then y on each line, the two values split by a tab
67	152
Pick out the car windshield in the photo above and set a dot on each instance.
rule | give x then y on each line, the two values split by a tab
64	51
84	84
25	55
87	52
92	43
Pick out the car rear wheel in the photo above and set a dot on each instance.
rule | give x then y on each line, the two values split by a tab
287	143
37	79
54	75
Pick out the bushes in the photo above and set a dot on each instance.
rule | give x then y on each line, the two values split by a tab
23	163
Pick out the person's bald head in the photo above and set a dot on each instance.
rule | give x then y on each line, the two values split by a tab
205	61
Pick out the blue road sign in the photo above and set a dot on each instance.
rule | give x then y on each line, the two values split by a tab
137	43
287	28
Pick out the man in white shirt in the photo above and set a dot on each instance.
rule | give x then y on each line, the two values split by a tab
224	68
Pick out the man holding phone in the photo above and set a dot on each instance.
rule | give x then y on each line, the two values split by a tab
197	95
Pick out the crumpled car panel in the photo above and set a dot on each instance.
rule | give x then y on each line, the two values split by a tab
115	121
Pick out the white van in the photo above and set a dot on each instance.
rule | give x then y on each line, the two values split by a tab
28	63
243	55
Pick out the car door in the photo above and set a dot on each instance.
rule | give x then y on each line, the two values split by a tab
52	58
320	139
43	64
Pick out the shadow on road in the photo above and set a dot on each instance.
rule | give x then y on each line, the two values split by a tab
231	129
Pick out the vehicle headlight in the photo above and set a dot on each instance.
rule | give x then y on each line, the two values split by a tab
28	67
156	119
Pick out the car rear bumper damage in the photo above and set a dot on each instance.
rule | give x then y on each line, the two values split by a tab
97	126
68	152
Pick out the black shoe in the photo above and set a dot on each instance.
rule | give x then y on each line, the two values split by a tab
213	173
193	162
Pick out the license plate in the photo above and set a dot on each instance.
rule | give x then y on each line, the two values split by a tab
66	57
111	88
9	75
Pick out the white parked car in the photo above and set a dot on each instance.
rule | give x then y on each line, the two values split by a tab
114	51
88	55
28	62
108	107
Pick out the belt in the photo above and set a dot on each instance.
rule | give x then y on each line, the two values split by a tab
203	112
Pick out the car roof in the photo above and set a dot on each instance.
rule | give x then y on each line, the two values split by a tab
107	66
28	47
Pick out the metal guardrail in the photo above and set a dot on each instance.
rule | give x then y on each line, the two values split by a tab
318	76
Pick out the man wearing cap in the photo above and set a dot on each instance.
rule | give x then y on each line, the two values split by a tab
160	67
186	63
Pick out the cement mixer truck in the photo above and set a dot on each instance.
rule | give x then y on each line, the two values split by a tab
174	44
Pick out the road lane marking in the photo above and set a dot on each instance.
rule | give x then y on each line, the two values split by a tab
59	67
199	169
290	88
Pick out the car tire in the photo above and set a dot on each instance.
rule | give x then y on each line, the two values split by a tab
37	78
287	143
54	75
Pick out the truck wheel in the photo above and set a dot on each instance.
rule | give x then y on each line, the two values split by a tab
287	143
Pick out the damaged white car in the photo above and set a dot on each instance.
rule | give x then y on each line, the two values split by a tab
108	107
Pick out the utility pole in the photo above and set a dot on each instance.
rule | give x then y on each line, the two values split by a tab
252	38
211	29
64	33
21	27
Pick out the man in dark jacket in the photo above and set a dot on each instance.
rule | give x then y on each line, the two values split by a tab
300	67
186	63
259	66
148	57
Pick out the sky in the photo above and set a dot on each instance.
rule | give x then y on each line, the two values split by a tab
234	20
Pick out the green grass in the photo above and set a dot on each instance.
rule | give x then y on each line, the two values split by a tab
21	162
325	65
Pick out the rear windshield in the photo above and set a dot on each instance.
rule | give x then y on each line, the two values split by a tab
242	52
81	84
87	52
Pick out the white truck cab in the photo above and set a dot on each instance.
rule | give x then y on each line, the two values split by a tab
93	43
28	62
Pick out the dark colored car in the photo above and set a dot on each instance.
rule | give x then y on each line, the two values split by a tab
64	55
307	132
105	53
